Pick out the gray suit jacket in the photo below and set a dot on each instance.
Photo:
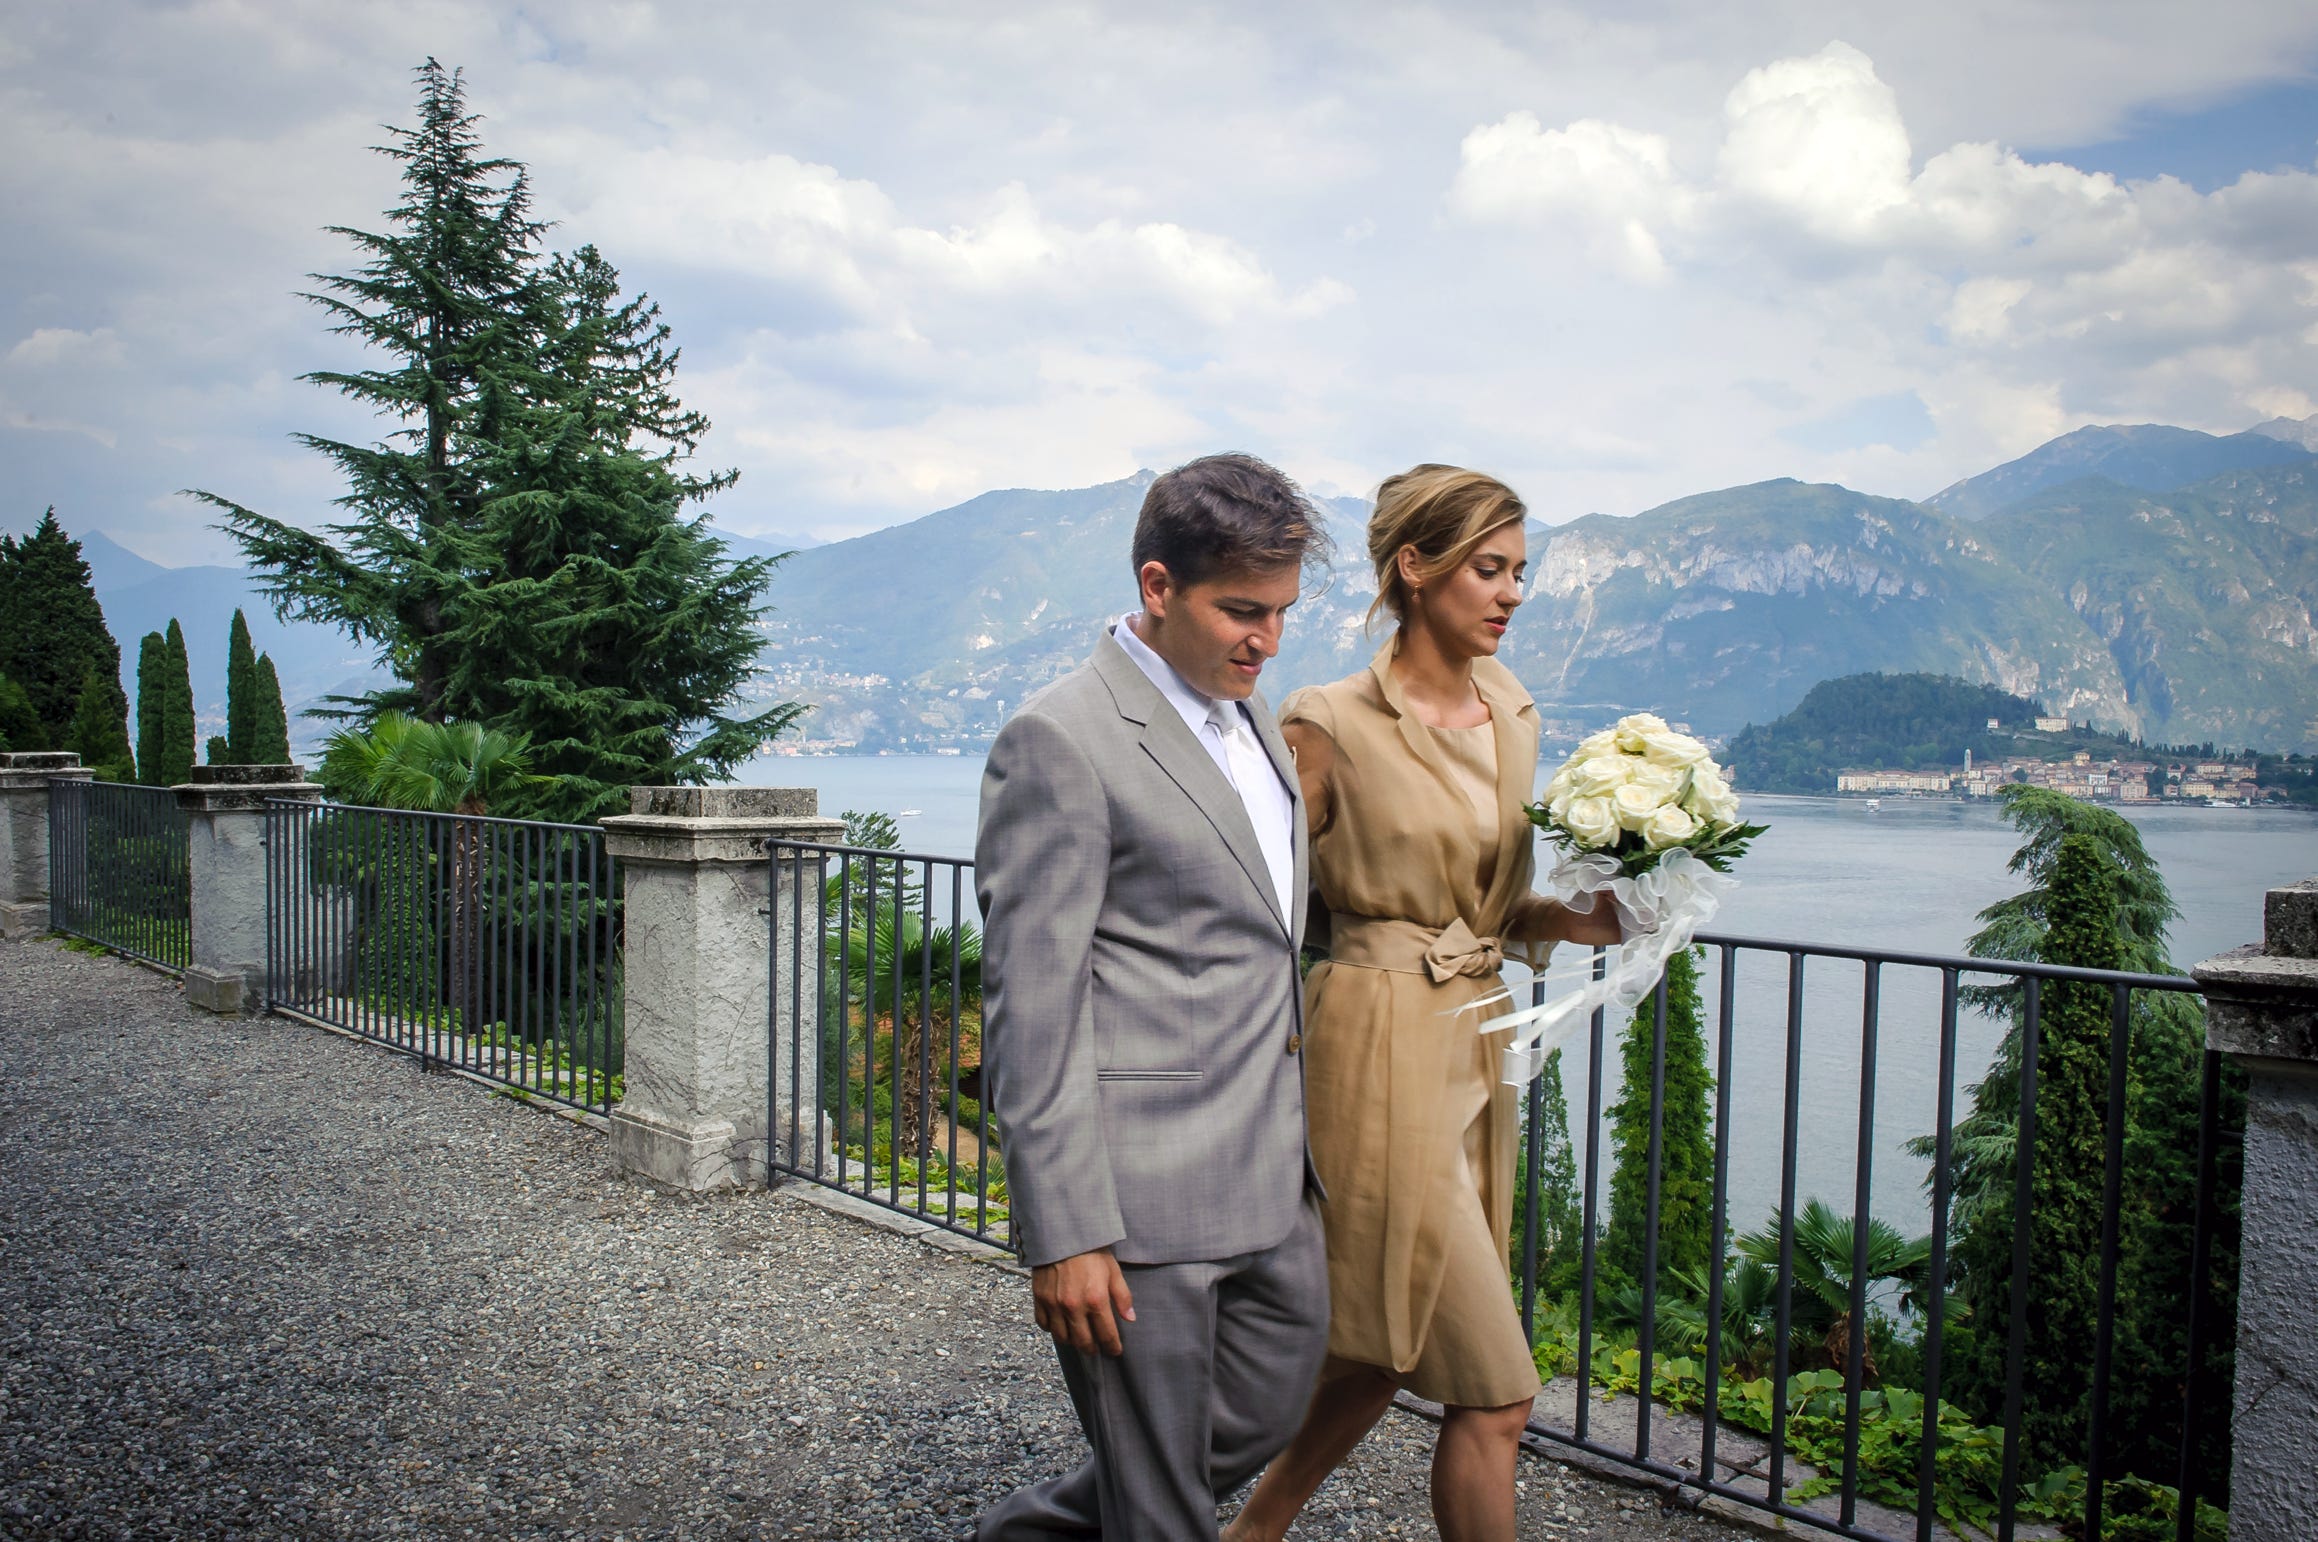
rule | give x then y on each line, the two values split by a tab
1142	1010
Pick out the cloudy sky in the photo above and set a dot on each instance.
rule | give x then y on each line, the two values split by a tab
1615	253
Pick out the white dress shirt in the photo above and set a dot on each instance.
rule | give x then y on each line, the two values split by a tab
1224	731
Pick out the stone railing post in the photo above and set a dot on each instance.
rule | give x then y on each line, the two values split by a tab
225	820
702	903
2262	1008
24	780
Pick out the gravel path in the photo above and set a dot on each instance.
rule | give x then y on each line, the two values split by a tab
260	1281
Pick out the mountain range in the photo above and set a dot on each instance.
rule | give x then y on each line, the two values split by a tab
2155	581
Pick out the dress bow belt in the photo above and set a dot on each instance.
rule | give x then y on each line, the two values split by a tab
1404	947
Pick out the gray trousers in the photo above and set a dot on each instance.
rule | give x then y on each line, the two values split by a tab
1219	1363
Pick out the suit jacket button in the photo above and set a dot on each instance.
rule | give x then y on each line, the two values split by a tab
1295	1042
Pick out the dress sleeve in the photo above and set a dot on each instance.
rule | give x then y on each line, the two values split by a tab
1311	710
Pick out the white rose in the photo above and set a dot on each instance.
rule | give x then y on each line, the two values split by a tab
1668	827
1603	743
1592	821
1665	781
1634	804
1632	730
1710	796
1673	749
1600	775
1559	786
1557	807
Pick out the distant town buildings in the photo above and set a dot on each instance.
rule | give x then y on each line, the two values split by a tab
2080	776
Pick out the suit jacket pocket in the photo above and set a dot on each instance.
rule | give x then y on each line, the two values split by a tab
1126	1074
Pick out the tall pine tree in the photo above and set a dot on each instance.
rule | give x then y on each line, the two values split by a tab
519	551
52	630
176	710
241	694
271	744
152	708
1686	1161
2064	1215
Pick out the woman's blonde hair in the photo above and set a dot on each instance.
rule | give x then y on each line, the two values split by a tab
1442	511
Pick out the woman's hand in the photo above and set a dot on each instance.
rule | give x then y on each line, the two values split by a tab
1597	927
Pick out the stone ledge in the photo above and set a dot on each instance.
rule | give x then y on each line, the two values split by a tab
2261	1006
681	841
16	775
243	789
724	802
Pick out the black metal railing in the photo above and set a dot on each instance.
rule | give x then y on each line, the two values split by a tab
119	872
874	1053
874	1034
489	946
1806	1432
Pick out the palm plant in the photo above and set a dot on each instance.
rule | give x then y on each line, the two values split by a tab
1824	1245
1749	1316
459	769
888	959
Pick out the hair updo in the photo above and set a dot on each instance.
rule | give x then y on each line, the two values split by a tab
1442	511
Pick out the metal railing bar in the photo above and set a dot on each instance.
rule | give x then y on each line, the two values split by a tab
2027	969
1589	1244
1647	1339
1936	1292
2023	1211
1862	1202
1718	1217
2112	1197
1784	1314
2200	1262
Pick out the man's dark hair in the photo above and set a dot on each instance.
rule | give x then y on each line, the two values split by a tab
1227	513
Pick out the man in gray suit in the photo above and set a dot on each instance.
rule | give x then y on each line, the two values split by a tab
1141	870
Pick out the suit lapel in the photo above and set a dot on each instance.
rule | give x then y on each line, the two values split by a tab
1169	742
1284	764
1516	770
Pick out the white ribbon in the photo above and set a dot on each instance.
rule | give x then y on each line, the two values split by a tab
1660	911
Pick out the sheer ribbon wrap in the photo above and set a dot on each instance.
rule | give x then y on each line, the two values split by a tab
1660	911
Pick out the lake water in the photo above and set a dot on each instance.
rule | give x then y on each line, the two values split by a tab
1910	877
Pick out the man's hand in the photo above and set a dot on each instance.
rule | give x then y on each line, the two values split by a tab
1074	1298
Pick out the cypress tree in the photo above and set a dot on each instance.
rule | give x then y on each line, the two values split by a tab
2164	1089
100	730
152	695
520	553
2064	1217
272	744
1561	1219
52	630
177	735
241	695
1686	1163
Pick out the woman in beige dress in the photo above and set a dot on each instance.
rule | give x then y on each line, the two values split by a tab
1414	773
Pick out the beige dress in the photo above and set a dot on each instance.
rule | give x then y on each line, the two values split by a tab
1423	857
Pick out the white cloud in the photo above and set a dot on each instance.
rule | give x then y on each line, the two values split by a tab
2041	294
1819	140
1611	184
912	251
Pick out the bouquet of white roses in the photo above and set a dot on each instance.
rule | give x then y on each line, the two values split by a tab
1639	790
1647	820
